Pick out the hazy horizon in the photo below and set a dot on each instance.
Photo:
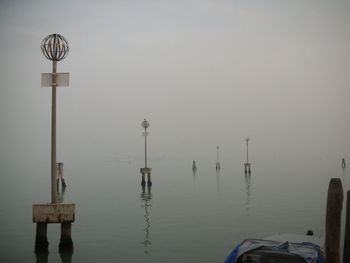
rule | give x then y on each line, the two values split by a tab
204	73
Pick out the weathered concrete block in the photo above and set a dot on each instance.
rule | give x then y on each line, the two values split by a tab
146	170
53	213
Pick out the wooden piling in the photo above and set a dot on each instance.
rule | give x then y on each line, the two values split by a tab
143	181
144	171
66	243
149	182
333	220
346	252
41	243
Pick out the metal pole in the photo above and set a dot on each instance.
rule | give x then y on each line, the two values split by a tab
217	155
53	135
145	147
247	153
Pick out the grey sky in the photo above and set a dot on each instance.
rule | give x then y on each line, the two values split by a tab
203	72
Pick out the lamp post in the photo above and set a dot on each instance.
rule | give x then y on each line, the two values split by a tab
55	48
145	170
247	141
145	125
247	164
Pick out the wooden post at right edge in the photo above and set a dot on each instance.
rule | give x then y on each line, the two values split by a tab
346	252
333	220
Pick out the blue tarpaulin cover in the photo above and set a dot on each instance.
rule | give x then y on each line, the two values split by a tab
310	252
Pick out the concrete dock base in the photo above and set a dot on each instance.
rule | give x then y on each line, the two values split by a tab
247	168
44	214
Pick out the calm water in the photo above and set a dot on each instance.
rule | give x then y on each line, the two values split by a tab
182	218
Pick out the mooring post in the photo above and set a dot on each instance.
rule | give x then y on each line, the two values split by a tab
346	251
194	166
41	243
66	243
217	166
333	220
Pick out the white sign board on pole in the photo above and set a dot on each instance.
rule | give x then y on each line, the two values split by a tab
62	79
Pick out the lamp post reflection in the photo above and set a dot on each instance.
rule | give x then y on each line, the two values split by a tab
218	180
248	205
43	257
146	198
194	173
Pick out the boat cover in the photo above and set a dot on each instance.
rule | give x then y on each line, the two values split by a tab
310	252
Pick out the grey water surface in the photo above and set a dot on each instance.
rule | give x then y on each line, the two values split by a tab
183	217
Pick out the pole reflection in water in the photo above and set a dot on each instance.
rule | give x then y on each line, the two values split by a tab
42	257
146	198
248	205
218	180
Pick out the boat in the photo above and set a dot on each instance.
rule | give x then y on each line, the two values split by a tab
282	248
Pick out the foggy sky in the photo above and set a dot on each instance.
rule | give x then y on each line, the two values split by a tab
204	73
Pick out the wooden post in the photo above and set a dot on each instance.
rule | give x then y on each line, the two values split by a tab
346	252
66	243
143	181
41	243
333	220
149	182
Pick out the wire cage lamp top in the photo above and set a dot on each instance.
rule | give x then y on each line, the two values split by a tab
55	47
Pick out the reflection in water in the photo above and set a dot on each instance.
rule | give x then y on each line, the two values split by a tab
218	180
66	257
247	187
42	257
146	198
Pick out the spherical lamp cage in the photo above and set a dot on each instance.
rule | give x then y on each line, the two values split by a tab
55	47
145	124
